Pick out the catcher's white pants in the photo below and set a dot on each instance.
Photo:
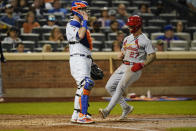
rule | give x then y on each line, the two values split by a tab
80	68
118	82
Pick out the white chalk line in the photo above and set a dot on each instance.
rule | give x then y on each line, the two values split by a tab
160	119
99	126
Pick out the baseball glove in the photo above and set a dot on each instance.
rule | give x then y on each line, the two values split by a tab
96	72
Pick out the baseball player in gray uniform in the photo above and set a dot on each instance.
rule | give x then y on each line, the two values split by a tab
80	46
137	52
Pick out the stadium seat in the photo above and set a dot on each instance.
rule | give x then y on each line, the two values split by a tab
184	36
178	45
157	22
41	31
30	45
57	16
26	50
95	10
113	8
38	49
95	50
105	29
106	49
60	49
112	36
23	15
98	36
139	2
97	45
167	16
13	49
7	46
63	29
46	36
117	2
108	44
3	35
2	14
193	45
54	45
99	3
194	36
98	15
190	29
20	22
30	37
62	22
155	35
131	9
42	22
153	8
151	29
64	43
175	21
147	16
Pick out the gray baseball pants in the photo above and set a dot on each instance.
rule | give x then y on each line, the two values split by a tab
117	84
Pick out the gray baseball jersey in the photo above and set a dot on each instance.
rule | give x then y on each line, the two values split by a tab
136	49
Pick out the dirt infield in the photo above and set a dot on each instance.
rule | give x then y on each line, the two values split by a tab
62	123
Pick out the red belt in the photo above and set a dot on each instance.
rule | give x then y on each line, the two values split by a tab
128	63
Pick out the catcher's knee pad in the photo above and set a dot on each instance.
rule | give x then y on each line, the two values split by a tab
87	85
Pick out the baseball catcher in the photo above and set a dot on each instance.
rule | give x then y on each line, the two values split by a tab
80	46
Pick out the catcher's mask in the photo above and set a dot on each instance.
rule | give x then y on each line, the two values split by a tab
78	6
134	22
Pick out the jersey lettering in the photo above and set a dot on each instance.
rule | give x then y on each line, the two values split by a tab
133	49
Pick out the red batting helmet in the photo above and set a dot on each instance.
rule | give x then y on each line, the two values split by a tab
134	21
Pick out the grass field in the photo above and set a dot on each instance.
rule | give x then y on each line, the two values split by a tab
66	108
168	108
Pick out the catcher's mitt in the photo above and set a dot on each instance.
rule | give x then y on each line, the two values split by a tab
96	72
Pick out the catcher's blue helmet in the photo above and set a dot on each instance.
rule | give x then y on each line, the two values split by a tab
77	6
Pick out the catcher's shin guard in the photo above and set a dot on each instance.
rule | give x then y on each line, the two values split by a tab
87	86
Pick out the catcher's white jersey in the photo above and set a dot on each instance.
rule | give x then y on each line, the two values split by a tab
136	49
81	47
